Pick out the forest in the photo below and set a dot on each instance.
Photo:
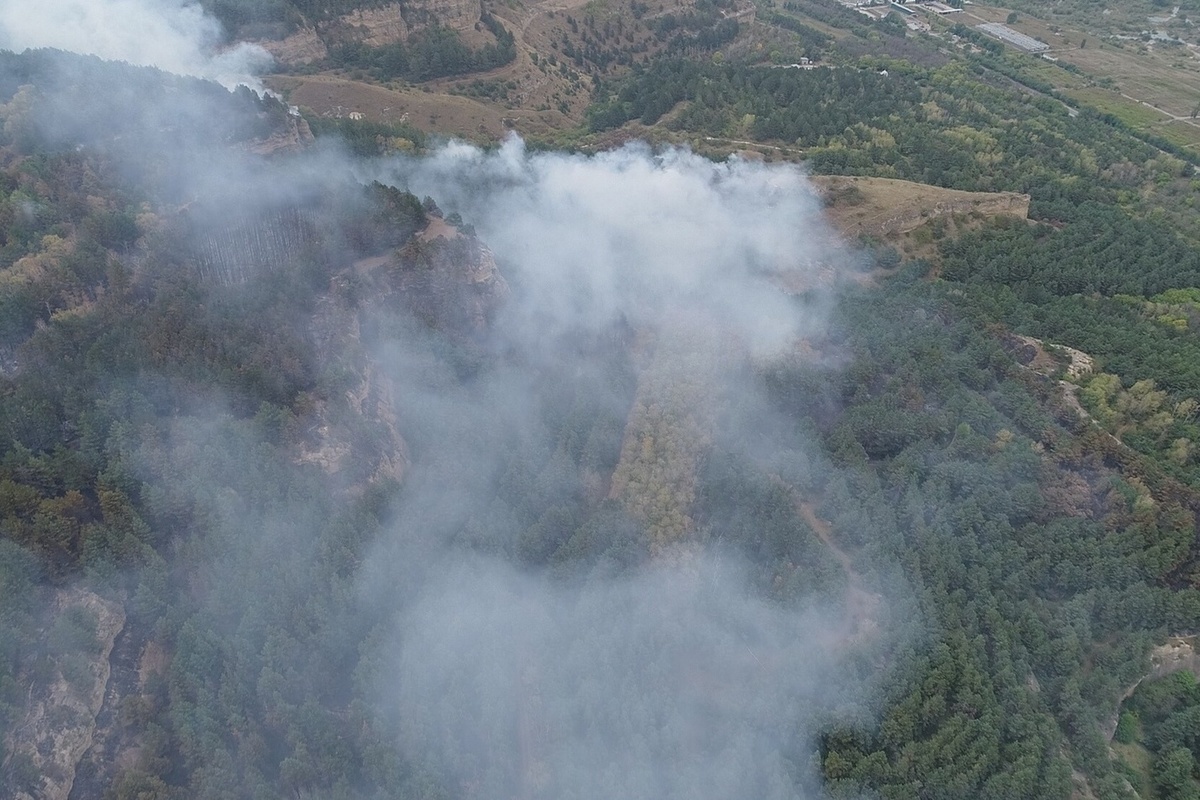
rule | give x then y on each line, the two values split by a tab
378	530
436	52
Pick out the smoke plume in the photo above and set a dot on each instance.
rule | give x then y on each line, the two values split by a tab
172	35
631	233
670	682
569	613
659	670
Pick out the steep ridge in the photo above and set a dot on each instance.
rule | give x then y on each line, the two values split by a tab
61	713
113	747
449	279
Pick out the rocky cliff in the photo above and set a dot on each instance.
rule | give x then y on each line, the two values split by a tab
290	137
64	699
448	279
354	439
302	47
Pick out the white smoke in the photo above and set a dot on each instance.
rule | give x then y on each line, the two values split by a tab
666	684
177	37
636	233
675	678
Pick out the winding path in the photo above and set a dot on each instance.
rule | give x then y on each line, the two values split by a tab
862	605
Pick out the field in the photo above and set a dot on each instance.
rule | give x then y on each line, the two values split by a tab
335	97
1166	76
909	216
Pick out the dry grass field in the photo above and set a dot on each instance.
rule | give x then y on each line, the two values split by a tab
335	97
909	216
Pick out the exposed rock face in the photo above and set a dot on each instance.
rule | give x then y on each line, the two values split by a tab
449	280
117	745
293	136
1176	654
329	442
446	278
458	14
331	447
302	47
376	27
60	716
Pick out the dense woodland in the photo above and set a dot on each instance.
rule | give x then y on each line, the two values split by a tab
1106	266
436	52
150	417
1163	714
949	126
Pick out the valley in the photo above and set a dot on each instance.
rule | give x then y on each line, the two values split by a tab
605	398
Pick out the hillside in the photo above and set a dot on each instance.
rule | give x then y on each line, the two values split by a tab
840	441
909	216
931	141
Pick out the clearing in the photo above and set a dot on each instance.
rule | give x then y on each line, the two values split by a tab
910	216
336	97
